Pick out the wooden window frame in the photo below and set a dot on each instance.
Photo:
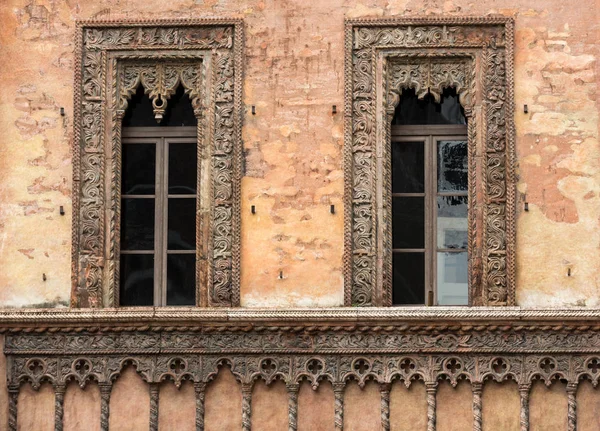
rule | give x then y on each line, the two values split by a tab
473	55
429	135
162	137
206	56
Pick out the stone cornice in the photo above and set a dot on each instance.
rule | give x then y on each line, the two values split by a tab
439	317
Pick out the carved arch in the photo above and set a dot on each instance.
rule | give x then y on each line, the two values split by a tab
473	55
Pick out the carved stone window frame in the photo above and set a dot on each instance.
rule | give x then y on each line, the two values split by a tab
475	56
112	57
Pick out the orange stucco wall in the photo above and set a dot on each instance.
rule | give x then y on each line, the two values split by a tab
293	145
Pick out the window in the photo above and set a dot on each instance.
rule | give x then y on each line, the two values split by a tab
158	203
386	57
177	242
429	201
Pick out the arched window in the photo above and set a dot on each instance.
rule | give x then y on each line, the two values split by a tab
158	203
429	201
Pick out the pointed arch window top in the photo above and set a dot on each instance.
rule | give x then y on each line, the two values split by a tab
160	81
431	76
414	111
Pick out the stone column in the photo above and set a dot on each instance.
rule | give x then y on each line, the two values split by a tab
59	406
246	406
154	406
338	391
13	399
431	389
200	391
477	389
384	390
105	390
293	389
524	396
572	412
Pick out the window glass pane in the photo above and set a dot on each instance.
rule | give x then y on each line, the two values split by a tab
452	283
452	222
182	224
408	278
452	166
181	279
139	164
408	167
408	218
137	279
137	224
182	168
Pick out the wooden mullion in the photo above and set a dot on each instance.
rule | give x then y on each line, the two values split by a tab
429	221
165	222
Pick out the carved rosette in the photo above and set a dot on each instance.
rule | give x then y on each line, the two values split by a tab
385	56
204	56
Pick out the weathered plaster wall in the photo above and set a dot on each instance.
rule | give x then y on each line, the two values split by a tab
293	145
294	73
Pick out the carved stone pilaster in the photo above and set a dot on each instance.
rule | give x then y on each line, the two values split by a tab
292	389
524	390
384	390
477	389
154	400
431	390
200	392
59	406
13	398
105	390
338	393
572	407
246	406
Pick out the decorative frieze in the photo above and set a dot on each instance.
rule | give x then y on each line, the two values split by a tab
431	351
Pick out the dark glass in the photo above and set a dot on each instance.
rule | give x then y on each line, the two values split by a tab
181	279
452	222
408	167
414	111
182	224
408	222
182	168
452	166
137	279
137	224
179	111
139	165
408	278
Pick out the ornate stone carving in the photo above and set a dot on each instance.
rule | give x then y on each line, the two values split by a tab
204	56
429	351
472	55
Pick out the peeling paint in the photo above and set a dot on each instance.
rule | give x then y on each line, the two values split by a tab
293	144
